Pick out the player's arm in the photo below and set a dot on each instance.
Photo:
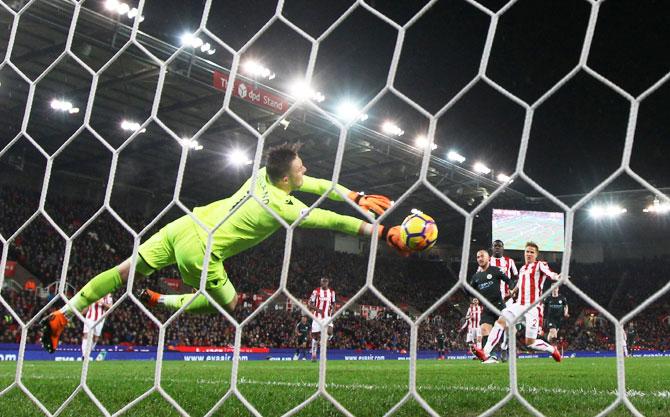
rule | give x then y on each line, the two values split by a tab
544	268
311	304
513	270
465	324
503	277
326	219
332	304
375	203
510	283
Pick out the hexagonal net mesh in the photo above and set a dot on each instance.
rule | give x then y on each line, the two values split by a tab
389	88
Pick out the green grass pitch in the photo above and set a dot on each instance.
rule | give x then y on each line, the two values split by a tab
575	387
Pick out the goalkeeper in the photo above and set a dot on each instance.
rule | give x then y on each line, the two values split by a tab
183	242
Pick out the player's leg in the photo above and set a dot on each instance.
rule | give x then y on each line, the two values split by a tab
553	333
316	338
485	330
154	254
84	344
494	338
189	253
224	295
625	348
478	337
532	330
468	337
97	331
509	314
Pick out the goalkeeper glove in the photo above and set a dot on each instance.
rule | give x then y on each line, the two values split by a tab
375	203
392	237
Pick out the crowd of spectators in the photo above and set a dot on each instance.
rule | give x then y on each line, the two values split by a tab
414	285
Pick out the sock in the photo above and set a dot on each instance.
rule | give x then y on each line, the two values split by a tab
93	343
503	345
101	285
625	350
83	346
199	306
495	336
541	346
314	347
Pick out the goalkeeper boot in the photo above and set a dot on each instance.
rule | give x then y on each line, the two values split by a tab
149	298
52	327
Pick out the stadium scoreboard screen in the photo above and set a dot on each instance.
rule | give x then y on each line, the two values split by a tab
516	227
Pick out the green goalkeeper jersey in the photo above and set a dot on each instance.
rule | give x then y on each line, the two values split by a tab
252	223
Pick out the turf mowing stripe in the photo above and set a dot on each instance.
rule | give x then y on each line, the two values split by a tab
368	387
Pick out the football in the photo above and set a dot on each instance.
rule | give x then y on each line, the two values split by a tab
419	231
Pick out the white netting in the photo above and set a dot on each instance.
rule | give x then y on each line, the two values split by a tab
389	88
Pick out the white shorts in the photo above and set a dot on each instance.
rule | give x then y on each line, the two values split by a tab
532	318
97	330
316	327
473	334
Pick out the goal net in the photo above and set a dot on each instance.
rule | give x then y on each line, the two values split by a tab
235	101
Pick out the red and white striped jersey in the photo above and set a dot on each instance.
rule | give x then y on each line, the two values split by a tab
531	280
323	301
96	309
507	265
474	316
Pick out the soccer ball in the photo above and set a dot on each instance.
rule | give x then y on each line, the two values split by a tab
418	231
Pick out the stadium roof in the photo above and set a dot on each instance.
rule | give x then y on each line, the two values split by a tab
372	161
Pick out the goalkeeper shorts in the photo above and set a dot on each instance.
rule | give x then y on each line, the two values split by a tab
178	243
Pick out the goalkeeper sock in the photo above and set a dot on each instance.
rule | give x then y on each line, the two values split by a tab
101	285
199	306
494	337
541	346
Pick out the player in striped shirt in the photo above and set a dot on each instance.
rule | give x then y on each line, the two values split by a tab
93	313
508	267
322	304
473	321
183	242
532	277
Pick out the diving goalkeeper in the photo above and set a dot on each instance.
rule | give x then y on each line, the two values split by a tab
183	241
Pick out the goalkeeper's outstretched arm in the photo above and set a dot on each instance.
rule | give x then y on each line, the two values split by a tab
326	219
374	203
